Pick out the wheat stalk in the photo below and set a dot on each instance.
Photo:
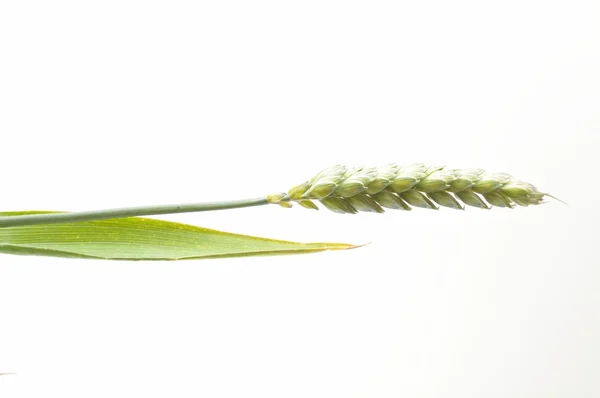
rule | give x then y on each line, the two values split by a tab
351	190
346	190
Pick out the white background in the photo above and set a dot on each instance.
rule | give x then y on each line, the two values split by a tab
119	103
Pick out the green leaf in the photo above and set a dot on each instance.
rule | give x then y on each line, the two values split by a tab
137	238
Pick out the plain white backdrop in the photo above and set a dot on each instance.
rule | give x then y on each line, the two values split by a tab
123	103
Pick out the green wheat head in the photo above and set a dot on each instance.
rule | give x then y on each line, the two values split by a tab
361	189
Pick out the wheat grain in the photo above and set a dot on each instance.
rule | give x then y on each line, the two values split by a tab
351	190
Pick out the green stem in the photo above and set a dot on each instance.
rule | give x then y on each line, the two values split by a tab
58	218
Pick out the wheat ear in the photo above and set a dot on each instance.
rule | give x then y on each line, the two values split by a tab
352	190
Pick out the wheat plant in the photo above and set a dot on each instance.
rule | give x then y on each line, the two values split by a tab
121	234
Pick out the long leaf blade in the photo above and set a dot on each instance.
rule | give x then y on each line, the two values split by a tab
138	238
